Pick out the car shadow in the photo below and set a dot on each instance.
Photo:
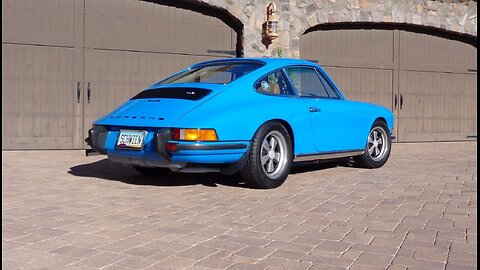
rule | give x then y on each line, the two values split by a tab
108	170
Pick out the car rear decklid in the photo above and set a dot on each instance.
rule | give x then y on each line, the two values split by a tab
158	107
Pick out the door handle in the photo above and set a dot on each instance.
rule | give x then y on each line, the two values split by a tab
401	101
314	109
78	92
88	92
395	102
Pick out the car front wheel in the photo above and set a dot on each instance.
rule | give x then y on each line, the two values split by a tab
270	157
377	149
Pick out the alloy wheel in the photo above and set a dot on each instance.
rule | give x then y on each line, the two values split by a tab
273	154
377	146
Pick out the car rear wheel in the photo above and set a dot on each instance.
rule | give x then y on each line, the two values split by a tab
378	146
270	157
151	171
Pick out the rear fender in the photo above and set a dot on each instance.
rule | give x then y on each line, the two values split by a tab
240	117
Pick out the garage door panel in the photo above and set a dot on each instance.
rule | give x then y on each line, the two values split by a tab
38	87
115	48
432	53
469	103
47	22
349	46
436	106
368	85
150	27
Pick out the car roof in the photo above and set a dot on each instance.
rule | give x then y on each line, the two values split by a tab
264	60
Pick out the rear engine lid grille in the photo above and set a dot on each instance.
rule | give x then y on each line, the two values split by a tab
188	93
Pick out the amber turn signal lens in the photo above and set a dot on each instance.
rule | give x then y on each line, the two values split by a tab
200	135
190	134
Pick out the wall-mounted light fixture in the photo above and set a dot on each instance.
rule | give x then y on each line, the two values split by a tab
271	23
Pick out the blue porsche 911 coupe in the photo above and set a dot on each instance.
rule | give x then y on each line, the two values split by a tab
253	116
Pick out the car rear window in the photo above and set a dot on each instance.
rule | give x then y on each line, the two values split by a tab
218	73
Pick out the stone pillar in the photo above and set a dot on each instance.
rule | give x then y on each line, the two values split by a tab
253	18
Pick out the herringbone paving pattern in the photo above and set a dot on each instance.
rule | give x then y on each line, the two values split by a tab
61	210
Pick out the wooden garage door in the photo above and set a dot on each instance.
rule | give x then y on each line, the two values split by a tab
66	63
39	47
130	45
438	86
433	78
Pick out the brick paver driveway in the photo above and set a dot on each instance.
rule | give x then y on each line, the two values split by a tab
61	210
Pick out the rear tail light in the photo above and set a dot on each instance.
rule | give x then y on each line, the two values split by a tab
190	134
175	134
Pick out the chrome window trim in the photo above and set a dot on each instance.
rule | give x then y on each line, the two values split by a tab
322	76
330	83
295	88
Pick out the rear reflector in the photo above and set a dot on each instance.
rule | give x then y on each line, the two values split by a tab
171	147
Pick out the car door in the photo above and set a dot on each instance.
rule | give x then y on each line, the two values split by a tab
334	120
282	103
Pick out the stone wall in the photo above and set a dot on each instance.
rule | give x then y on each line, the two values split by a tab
296	16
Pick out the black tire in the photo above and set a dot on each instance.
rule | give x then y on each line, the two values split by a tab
376	154
151	171
277	160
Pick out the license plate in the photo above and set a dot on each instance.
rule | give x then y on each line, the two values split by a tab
131	139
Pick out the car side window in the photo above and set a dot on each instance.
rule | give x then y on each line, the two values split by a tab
331	92
274	83
307	82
